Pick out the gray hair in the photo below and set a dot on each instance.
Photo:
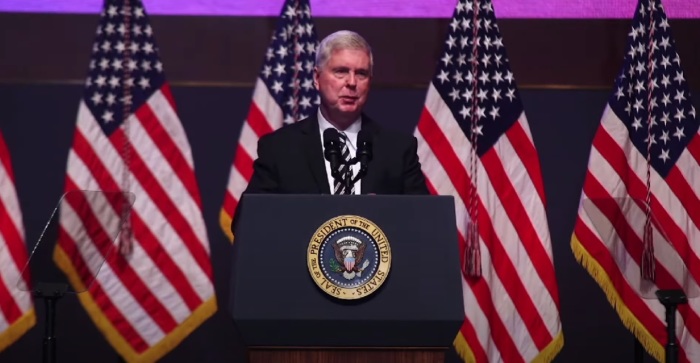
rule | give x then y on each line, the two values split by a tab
342	39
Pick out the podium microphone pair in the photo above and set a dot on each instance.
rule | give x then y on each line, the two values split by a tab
332	152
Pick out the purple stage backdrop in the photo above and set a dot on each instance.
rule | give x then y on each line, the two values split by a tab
576	9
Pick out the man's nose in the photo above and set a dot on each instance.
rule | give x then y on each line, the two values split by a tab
351	80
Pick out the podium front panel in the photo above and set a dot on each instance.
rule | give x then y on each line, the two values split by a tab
275	302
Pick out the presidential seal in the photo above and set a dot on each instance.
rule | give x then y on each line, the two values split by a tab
349	257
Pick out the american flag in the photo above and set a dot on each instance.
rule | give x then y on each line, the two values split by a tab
146	300
16	306
645	153
473	131
284	93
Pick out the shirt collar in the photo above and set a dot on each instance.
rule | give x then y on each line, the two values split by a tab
353	129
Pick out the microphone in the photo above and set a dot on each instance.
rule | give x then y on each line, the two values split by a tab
331	150
364	150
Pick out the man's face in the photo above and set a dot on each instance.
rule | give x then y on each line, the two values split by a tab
343	84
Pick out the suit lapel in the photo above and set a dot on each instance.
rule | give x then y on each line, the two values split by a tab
314	153
370	180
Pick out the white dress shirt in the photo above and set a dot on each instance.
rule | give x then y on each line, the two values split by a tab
351	133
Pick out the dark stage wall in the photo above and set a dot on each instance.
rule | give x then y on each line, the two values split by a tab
38	120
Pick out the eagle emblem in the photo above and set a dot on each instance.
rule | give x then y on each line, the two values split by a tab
349	255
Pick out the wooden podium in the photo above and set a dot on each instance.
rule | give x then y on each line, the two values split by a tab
283	315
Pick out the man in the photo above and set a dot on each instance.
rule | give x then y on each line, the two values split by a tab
291	159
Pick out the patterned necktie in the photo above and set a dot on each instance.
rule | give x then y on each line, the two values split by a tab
339	186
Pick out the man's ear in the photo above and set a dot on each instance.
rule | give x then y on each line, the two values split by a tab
316	77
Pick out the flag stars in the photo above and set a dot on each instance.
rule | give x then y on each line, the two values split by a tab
679	133
482	95
666	100
619	94
496	95
665	61
112	11
497	78
454	24
279	69
509	77
277	87
447	59
114	82
111	99
267	71
109	29
138	12
664	155
443	76
461	59
450	41
108	116
144	83
290	12
282	51
679	96
100	81
680	115
637	124
106	46
481	112
664	137
652	138
486	60
457	77
148	48
305	102
511	94
307	84
498	42
679	77
309	66
638	105
666	118
465	112
494	112
96	98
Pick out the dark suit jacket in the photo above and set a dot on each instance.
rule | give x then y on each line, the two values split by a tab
290	160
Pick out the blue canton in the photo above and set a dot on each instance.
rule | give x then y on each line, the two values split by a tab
490	93
104	92
652	80
292	50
